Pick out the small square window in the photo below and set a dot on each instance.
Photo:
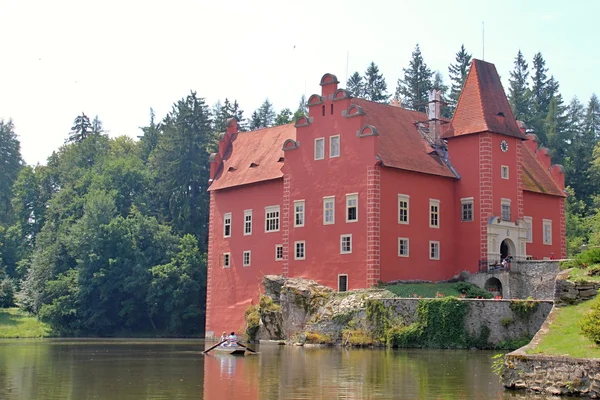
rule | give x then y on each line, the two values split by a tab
345	244
334	146
342	283
434	213
434	250
246	258
402	247
300	250
466	209
504	171
227	225
403	204
226	260
278	252
351	207
319	149
248	222
328	210
299	213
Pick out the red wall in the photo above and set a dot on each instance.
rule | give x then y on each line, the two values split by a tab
420	188
504	188
234	289
539	207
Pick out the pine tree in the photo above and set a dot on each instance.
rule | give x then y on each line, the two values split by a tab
592	117
302	108
149	139
415	86
10	165
355	85
579	152
82	127
375	87
438	84
266	113
255	121
555	126
458	74
542	91
518	91
284	117
96	127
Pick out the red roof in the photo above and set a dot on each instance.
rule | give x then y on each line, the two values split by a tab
535	177
483	106
254	157
399	144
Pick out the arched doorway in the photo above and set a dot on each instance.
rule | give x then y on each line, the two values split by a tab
494	286
507	248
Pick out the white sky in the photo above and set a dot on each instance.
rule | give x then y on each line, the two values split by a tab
116	59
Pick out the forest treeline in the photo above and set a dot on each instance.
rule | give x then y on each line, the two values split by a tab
109	237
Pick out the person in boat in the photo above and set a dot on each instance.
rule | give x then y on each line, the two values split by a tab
224	339
232	340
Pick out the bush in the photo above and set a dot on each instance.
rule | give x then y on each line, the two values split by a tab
472	291
590	323
318	338
7	293
252	318
522	308
356	337
590	257
405	336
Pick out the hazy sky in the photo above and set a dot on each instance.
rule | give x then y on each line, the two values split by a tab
116	59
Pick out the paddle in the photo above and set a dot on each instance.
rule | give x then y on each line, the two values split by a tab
247	348
216	345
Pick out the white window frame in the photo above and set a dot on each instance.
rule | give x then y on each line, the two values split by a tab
322	155
249	261
547	223
329	200
301	213
407	253
434	243
404	198
226	224
331	138
296	256
529	225
272	209
277	248
504	172
505	203
247	222
226	260
463	202
346	276
342	237
434	203
350	197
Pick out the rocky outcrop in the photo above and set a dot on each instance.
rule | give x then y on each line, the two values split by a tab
569	292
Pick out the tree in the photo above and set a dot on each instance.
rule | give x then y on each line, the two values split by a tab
375	87
355	85
10	165
458	74
96	127
222	112
542	91
592	118
149	139
579	151
266	112
302	108
518	91
284	117
415	86
438	84
555	126
82	127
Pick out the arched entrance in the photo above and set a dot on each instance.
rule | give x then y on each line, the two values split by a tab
494	286
507	248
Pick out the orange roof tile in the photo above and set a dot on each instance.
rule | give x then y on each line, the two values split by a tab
263	148
535	177
483	106
399	144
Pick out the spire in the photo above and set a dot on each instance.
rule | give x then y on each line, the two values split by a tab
482	106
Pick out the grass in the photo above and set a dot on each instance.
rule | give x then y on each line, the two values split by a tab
425	290
564	336
15	323
581	274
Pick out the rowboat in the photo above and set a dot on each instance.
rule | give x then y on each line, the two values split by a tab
231	350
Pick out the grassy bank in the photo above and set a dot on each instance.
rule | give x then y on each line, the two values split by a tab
564	337
432	290
15	323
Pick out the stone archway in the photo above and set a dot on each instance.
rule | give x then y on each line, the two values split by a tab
494	286
507	247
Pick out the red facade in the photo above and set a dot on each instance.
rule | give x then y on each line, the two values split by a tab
360	192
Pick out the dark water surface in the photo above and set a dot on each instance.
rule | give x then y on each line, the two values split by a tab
176	369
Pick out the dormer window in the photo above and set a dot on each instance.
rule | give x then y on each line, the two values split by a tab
253	165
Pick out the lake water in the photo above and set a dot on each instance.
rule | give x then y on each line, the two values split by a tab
176	369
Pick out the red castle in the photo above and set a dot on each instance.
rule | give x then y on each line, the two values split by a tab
359	192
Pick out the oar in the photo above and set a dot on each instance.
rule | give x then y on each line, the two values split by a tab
216	345
247	348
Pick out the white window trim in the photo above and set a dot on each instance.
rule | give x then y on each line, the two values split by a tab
228	264
277	246
323	155
351	196
296	250
434	202
407	247
339	276
225	217
325	200
545	223
404	197
342	243
502	169
249	252
269	209
467	200
505	202
303	203
529	222
331	145
246	214
438	249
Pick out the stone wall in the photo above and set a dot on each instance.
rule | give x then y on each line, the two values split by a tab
567	292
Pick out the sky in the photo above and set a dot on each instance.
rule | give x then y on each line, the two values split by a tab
118	59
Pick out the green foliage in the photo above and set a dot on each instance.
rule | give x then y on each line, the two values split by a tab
7	293
17	323
378	317
481	341
357	337
405	336
590	323
523	308
432	290
318	338
252	319
458	74
472	291
498	364
414	87
506	321
10	165
266	303
513	344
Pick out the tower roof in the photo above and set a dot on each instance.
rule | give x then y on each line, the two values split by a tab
482	106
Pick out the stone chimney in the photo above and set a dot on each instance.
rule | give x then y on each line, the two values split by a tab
522	127
433	114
